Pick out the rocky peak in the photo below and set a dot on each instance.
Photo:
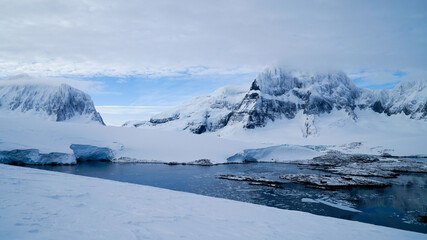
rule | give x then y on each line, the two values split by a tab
278	93
56	102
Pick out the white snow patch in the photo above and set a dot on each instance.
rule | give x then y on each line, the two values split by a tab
281	153
335	205
378	133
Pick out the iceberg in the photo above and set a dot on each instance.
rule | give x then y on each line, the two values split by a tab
280	153
91	153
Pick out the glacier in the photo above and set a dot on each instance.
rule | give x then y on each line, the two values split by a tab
33	156
91	153
80	152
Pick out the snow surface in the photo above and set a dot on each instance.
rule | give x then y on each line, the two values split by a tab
372	133
278	142
37	204
21	131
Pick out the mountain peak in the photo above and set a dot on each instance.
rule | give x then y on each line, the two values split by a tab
282	93
55	102
277	81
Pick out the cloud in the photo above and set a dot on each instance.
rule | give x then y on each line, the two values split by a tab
159	38
91	87
117	115
384	79
121	80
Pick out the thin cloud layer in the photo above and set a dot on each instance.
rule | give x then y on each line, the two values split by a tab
92	87
118	115
116	38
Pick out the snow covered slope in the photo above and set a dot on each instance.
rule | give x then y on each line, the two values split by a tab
408	97
37	141
278	94
371	133
93	141
54	102
37	204
201	114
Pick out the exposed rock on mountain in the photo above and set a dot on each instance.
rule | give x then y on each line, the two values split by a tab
58	103
278	93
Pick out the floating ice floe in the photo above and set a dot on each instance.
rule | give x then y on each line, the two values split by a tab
328	181
364	165
335	205
253	180
280	153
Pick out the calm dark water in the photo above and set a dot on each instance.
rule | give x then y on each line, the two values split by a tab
397	206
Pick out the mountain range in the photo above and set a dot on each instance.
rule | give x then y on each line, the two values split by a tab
279	93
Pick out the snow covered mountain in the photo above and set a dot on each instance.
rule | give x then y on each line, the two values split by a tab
58	102
206	113
408	97
278	93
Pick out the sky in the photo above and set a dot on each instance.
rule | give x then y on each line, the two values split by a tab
151	55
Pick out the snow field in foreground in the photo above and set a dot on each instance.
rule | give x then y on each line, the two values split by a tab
38	204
